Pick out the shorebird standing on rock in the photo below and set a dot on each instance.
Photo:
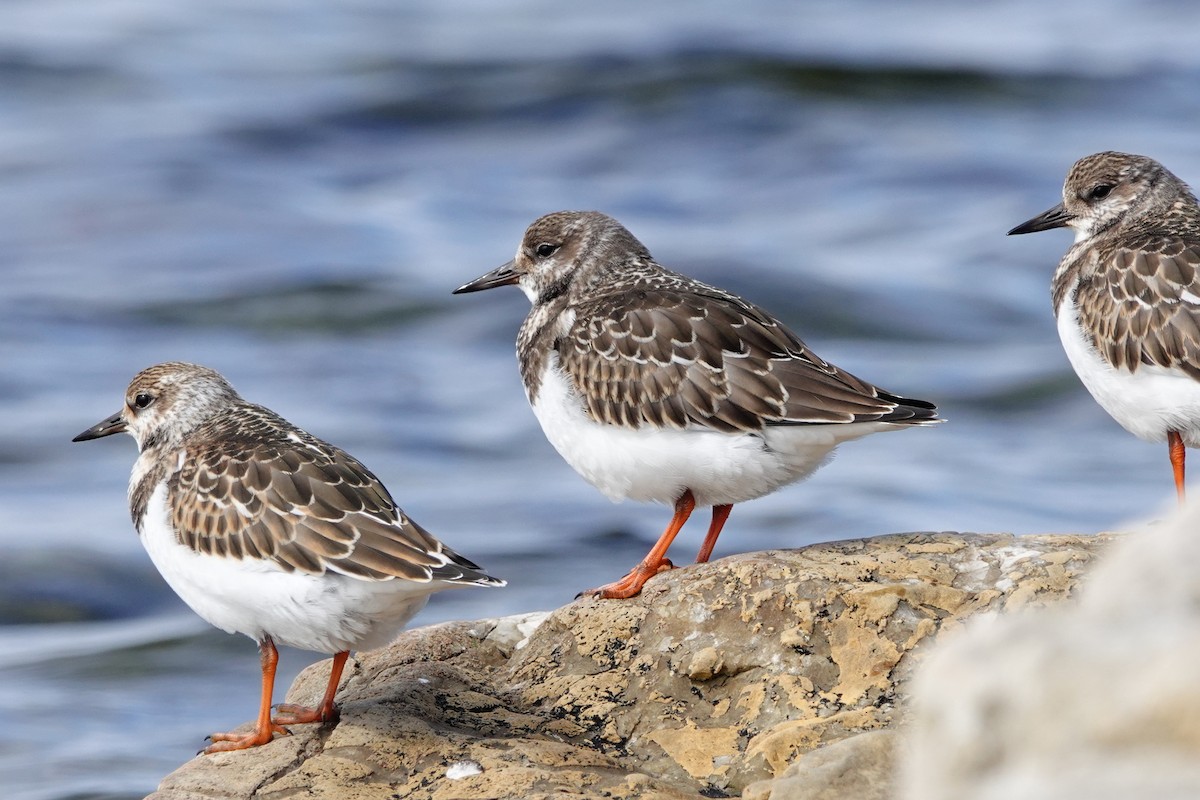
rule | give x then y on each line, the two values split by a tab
265	530
1127	295
657	387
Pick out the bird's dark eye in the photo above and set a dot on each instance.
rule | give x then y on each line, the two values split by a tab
1100	191
545	249
142	400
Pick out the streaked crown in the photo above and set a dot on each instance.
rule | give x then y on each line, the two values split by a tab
167	401
569	251
1107	189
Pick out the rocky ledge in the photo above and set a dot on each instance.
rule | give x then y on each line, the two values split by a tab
774	674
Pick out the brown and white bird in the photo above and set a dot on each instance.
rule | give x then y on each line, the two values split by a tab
265	530
1127	295
657	387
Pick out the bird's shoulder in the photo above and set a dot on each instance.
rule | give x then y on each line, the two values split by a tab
1139	300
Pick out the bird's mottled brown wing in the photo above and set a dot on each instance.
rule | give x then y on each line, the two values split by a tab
671	357
1142	306
257	488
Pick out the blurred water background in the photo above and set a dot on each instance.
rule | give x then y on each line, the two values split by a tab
288	190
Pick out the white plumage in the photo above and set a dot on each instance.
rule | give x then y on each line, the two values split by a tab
659	464
325	613
1149	403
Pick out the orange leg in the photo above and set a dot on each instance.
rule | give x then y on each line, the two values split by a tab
290	714
264	729
1175	445
655	561
720	514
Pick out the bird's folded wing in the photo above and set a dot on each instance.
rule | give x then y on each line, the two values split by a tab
670	358
309	508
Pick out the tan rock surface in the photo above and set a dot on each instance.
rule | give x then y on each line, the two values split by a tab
717	676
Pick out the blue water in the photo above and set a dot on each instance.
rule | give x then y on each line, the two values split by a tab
289	194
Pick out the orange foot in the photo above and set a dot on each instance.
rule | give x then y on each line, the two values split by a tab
631	585
224	742
292	714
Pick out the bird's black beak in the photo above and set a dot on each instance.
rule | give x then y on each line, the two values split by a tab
1056	217
108	427
503	275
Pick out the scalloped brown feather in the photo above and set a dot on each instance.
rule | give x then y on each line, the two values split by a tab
252	486
690	354
1131	303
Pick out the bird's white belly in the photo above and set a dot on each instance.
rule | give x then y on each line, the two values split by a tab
658	464
1148	403
325	613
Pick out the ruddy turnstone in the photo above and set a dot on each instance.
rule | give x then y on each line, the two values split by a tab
657	387
264	529
1127	297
